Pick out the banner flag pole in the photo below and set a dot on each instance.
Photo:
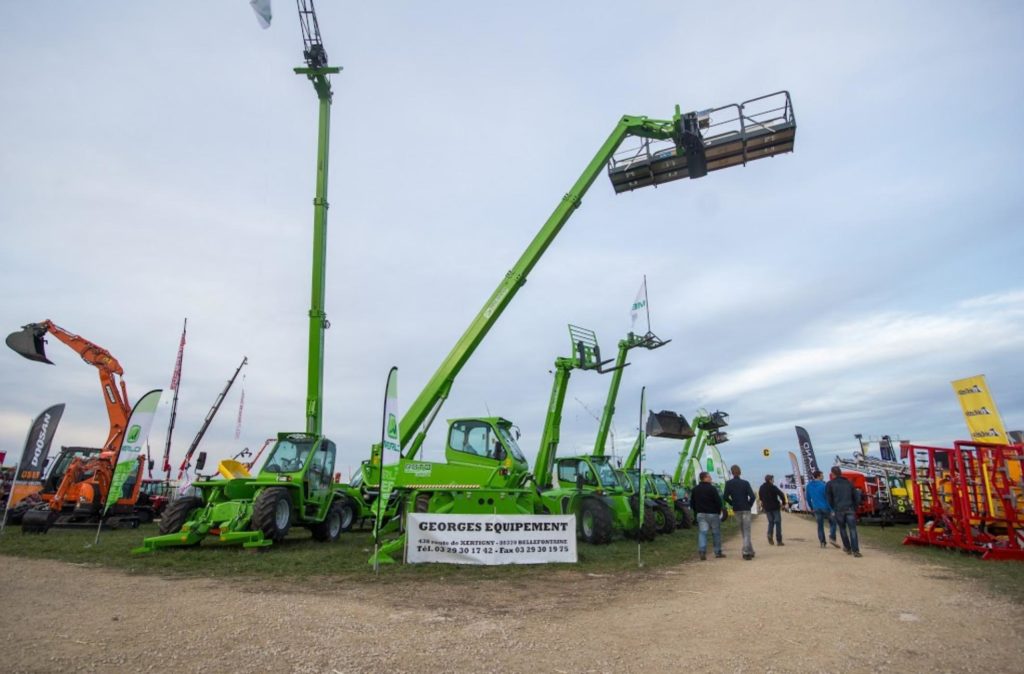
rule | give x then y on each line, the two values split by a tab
389	440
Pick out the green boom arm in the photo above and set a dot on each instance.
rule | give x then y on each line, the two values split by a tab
317	315
550	438
648	341
428	403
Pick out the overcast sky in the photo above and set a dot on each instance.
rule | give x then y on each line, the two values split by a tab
157	162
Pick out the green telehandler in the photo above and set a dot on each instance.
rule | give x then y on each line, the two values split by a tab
666	150
587	485
692	456
295	484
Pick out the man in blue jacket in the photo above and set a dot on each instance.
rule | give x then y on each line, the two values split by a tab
819	506
740	496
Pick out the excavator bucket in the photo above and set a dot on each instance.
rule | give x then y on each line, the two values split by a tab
29	343
666	424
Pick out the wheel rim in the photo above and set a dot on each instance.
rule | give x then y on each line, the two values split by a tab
281	514
347	515
588	525
334	523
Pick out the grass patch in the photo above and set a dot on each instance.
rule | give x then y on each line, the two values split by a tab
1003	578
301	557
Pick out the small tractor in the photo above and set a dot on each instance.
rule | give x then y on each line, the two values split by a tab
294	487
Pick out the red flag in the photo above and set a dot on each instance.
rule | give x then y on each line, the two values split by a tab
176	377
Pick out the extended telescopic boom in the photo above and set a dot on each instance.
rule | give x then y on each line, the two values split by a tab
743	135
317	71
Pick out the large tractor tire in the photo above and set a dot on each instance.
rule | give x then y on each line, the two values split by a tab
649	530
595	522
683	518
272	513
333	524
664	518
178	512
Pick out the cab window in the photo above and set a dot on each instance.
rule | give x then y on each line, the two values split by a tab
321	468
474	437
567	471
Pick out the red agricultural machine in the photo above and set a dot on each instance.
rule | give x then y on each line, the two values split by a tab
969	497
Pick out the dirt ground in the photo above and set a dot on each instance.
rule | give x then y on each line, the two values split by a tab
797	608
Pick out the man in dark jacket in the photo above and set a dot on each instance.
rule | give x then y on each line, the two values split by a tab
740	496
707	504
772	499
842	499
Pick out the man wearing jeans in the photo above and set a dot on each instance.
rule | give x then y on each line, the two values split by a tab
842	499
772	500
819	506
705	501
740	496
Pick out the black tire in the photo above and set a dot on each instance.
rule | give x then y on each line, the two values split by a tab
595	526
272	513
649	530
683	518
178	512
664	517
329	530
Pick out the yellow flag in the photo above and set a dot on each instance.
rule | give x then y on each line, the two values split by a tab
980	412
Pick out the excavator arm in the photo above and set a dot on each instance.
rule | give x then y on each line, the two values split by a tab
30	343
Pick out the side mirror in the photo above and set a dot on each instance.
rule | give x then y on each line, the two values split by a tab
579	481
201	461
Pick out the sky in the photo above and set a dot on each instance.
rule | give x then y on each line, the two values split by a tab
157	163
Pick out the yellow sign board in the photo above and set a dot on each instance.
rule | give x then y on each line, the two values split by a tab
980	412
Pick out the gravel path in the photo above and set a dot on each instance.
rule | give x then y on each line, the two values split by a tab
793	609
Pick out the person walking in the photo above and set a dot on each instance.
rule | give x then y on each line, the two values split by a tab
740	496
707	504
771	500
819	506
842	499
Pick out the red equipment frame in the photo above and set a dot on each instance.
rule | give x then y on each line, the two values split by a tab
969	497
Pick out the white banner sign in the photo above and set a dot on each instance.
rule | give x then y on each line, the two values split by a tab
490	539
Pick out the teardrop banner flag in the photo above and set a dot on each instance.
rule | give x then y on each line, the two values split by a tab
132	444
390	442
806	451
33	458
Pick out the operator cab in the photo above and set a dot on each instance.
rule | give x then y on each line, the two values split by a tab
596	472
296	452
484	441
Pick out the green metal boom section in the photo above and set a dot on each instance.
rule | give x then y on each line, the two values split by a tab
588	357
649	341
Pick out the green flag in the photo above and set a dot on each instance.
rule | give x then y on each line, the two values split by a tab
132	444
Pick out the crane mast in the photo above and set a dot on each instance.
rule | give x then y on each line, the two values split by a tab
317	71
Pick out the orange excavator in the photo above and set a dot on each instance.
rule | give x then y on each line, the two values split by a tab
80	495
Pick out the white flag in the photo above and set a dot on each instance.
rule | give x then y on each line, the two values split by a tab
263	12
639	306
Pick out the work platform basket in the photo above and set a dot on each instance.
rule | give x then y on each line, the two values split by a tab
728	136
